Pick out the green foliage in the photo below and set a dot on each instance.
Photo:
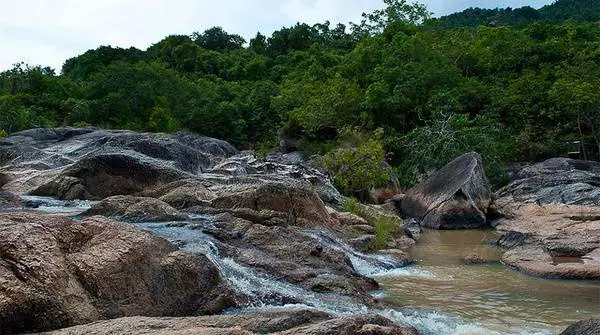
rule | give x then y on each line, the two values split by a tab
359	164
3	133
561	10
448	136
429	91
385	229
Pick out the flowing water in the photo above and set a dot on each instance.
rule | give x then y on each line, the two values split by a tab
440	295
504	300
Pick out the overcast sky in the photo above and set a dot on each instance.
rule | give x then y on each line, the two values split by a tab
47	32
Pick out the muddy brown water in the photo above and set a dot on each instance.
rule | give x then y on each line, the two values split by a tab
499	298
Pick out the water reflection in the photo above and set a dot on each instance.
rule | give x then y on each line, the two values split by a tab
489	293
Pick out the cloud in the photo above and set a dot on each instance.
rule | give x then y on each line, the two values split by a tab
41	32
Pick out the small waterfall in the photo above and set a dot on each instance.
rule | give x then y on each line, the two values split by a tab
52	205
367	265
265	292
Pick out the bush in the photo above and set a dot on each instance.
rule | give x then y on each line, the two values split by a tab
359	164
385	229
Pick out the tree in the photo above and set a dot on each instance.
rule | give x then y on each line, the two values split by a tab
217	39
396	11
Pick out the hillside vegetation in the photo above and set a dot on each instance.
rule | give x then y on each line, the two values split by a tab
389	88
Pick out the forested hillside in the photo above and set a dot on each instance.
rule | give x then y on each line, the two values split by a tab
388	88
562	10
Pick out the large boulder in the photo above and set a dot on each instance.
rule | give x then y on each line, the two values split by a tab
276	203
135	209
587	327
291	255
183	194
455	197
556	181
104	175
55	272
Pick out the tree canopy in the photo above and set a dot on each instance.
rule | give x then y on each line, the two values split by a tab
513	92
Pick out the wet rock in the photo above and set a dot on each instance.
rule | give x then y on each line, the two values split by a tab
556	181
57	273
455	197
403	258
245	168
587	327
474	259
290	255
136	209
412	229
402	242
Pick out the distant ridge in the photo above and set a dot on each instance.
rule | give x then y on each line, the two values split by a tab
561	10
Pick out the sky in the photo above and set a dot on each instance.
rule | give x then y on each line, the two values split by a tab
47	32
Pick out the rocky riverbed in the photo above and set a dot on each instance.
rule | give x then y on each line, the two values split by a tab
121	232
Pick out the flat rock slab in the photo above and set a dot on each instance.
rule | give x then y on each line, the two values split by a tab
261	322
554	241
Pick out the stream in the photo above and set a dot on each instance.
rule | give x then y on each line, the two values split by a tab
439	295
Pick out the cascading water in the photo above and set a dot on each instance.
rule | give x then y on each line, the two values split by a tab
265	292
261	289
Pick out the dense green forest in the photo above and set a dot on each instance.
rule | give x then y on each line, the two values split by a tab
563	10
396	87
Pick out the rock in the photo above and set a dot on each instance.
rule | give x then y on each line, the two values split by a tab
182	194
587	327
57	273
473	259
364	229
412	229
363	242
294	203
284	321
286	143
290	255
104	175
402	257
219	149
136	209
512	239
367	324
556	181
537	261
245	168
455	197
538	235
401	242
349	219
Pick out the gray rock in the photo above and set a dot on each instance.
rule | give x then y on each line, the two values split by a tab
587	327
457	196
556	181
412	229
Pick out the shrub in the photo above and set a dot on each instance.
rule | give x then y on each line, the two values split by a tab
359	164
385	229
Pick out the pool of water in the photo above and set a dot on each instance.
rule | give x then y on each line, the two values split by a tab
490	294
